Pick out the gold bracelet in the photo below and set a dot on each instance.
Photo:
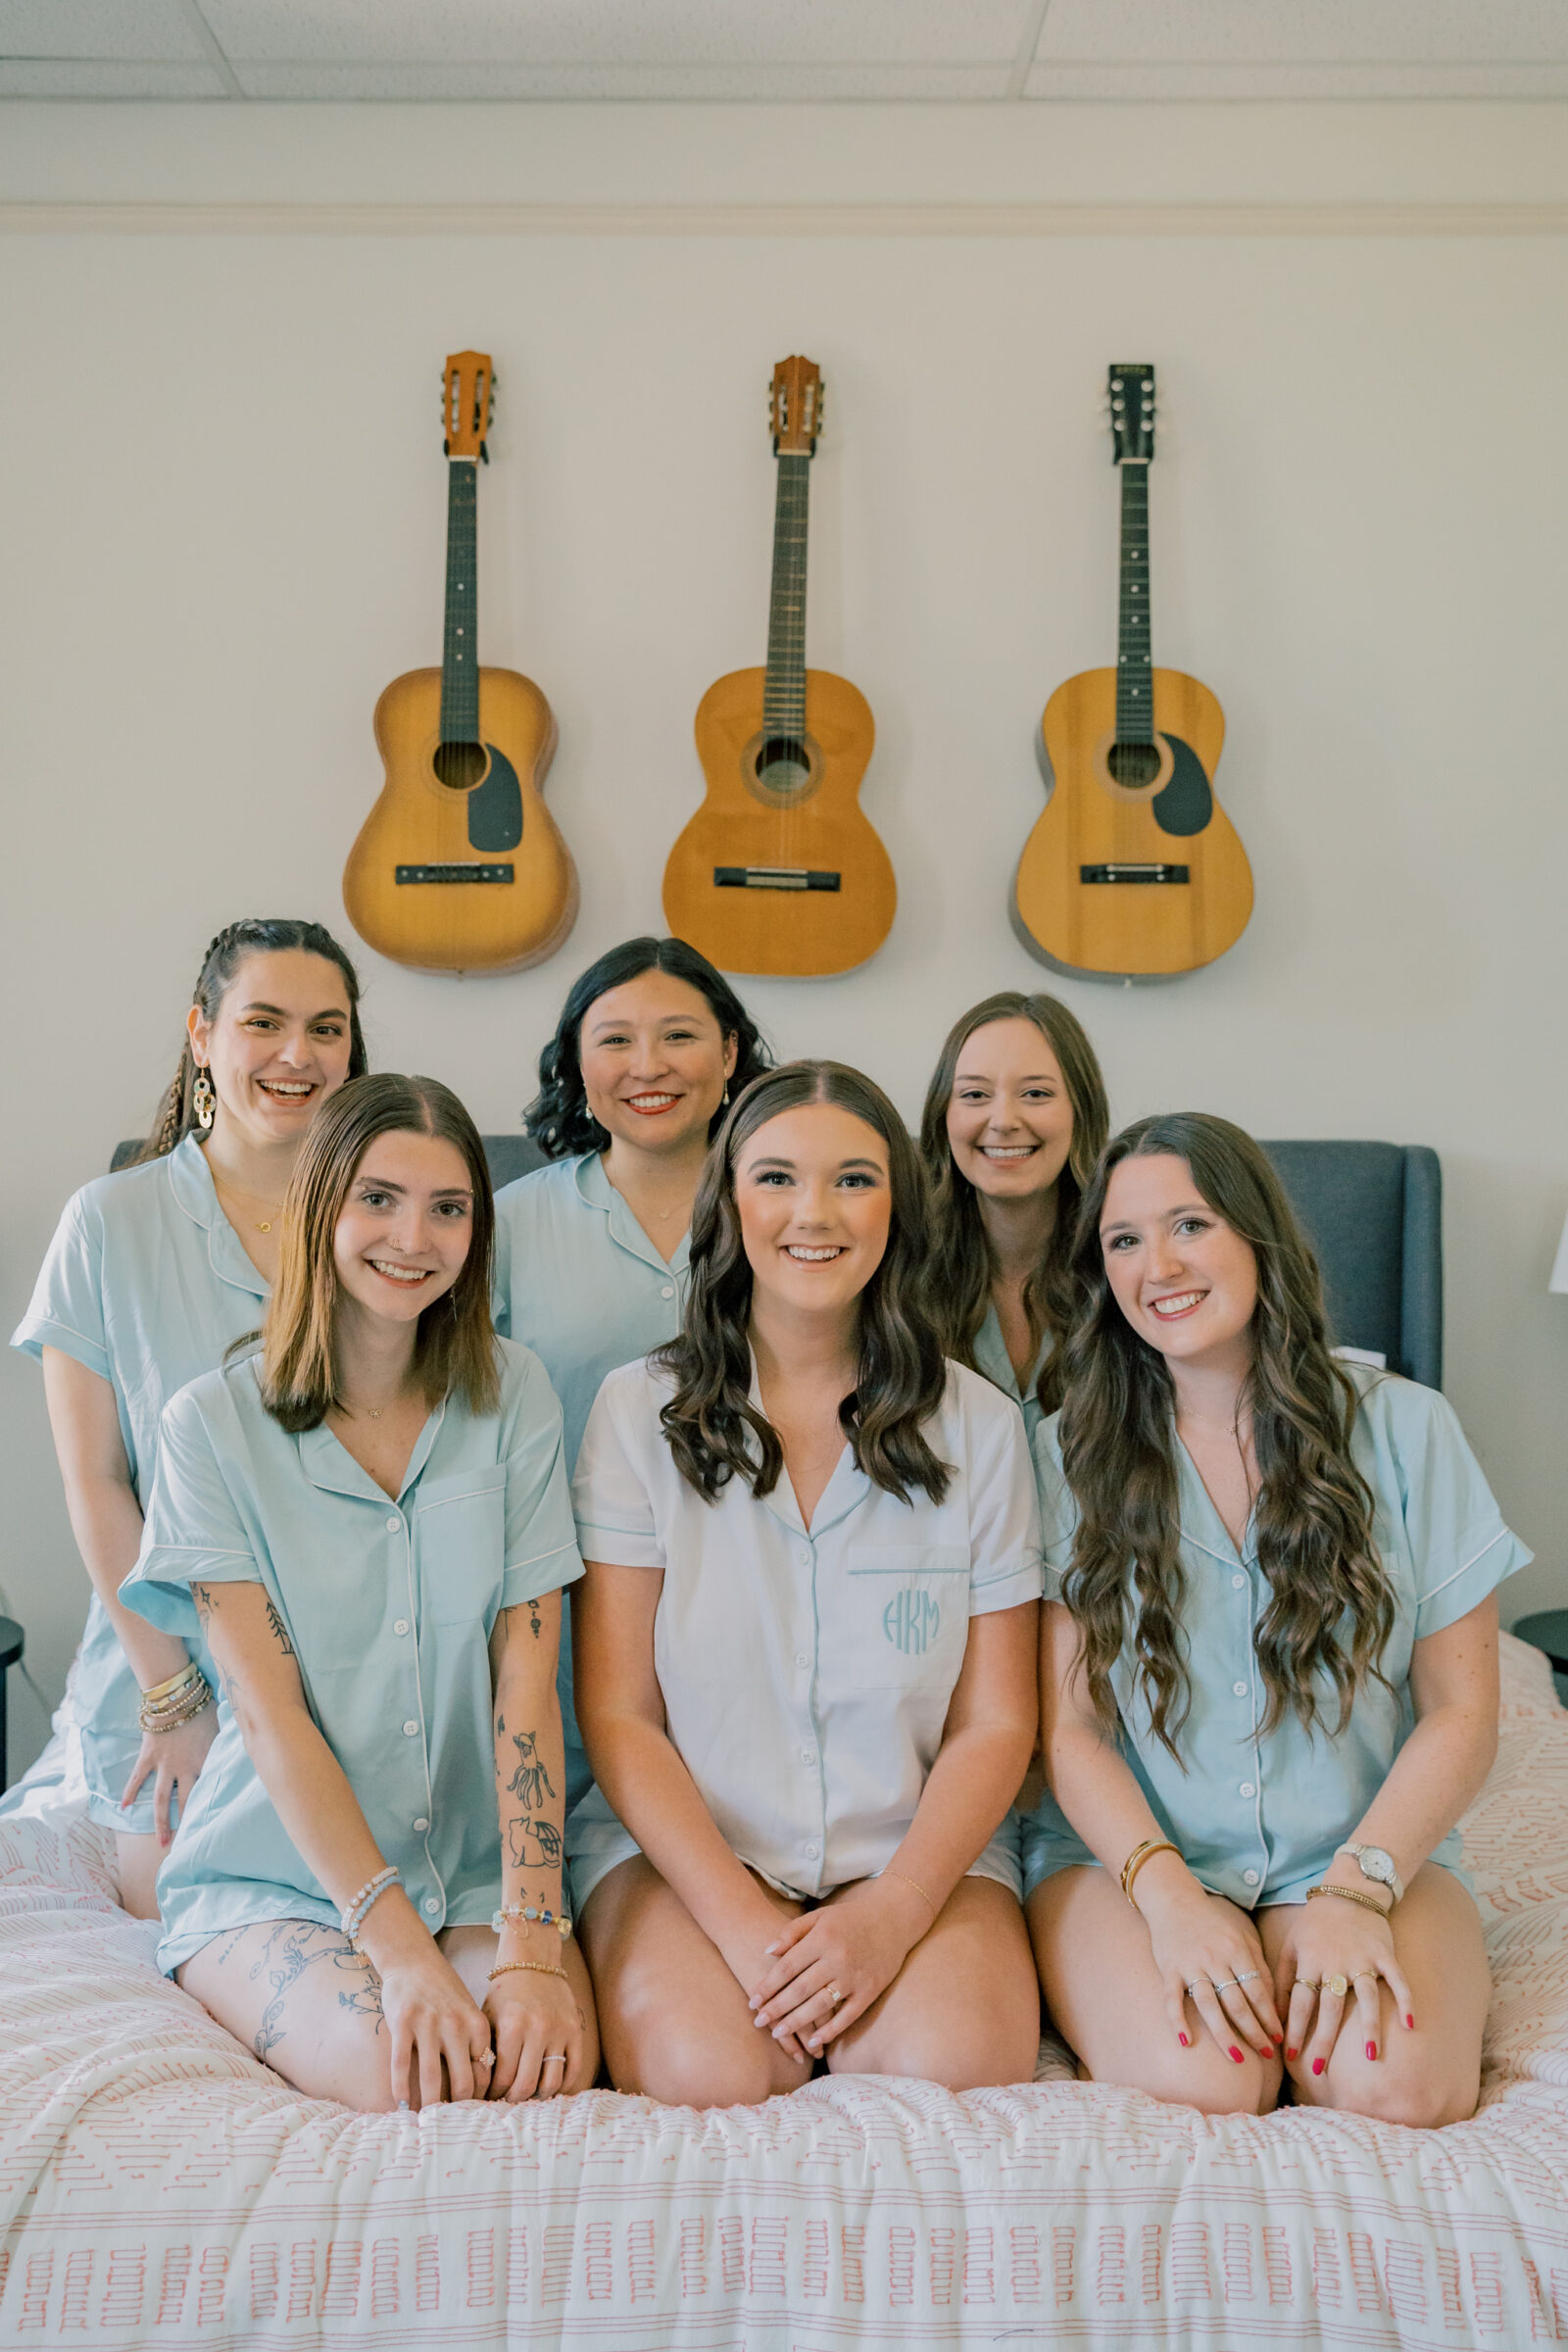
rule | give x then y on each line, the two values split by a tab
1139	1856
890	1872
1351	1894
187	1674
540	1968
174	1714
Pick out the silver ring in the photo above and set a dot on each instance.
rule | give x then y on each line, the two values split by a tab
485	2058
1192	1989
553	2058
834	1994
1246	1976
1224	1984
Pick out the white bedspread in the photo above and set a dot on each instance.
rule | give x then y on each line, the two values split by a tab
160	2187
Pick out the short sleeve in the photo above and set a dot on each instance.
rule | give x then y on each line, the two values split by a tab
1059	1512
1003	1514
193	1532
610	1493
541	1540
67	1308
1460	1544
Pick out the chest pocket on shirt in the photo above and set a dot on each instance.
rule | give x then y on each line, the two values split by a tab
460	1527
909	1614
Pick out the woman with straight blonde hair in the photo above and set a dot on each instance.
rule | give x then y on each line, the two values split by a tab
1014	1121
370	1514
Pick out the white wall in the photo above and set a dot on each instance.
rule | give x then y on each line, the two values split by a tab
221	504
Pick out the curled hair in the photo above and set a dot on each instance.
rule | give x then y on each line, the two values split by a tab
715	1431
1330	1606
253	935
964	1265
454	1342
559	1119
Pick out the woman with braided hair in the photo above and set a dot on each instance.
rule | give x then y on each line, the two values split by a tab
151	1273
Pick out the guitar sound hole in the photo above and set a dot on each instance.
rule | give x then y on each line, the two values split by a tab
459	765
783	764
1134	765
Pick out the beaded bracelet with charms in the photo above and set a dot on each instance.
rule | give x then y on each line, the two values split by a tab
530	1915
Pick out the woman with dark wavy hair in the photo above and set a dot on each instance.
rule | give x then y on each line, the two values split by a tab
152	1272
806	1644
592	1252
1014	1121
1269	1674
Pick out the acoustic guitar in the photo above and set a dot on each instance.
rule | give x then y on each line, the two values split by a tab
459	866
1134	873
779	871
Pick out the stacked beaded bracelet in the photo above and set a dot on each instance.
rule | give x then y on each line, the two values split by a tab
177	1701
532	1915
354	1914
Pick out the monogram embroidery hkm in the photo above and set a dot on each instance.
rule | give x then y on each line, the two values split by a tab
912	1621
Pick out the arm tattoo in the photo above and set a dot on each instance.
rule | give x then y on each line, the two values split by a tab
533	1843
534	1619
279	1631
202	1595
531	1781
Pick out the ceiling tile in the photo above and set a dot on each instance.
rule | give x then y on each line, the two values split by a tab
1234	80
97	28
1331	32
740	84
621	34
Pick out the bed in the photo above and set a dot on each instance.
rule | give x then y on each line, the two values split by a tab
160	2187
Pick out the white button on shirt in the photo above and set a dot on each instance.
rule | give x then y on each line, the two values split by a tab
878	1604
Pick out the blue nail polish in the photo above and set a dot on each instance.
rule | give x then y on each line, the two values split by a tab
403	2107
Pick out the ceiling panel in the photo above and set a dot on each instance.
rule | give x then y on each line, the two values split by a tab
91	77
104	29
1341	32
740	84
622	34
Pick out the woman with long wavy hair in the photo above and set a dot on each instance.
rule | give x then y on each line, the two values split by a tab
1269	1668
1014	1121
372	1515
593	1251
152	1272
806	1643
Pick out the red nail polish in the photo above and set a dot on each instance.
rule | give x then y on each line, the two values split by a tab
1371	2049
1411	2020
1290	2053
1182	2038
1318	2064
1235	2053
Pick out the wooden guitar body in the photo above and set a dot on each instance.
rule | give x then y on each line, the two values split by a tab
781	878
517	898
1121	881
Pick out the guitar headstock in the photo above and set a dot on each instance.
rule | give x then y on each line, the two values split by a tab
468	394
794	407
1132	411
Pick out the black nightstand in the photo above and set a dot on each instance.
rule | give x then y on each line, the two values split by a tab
1547	1630
12	1642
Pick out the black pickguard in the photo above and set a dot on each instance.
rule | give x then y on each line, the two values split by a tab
495	807
1186	804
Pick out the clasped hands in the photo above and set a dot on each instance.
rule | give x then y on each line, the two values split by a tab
829	1965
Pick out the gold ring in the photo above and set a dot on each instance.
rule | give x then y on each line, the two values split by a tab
1337	1985
1307	1982
834	1994
485	2058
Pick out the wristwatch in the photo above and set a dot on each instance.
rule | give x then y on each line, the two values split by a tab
1377	1865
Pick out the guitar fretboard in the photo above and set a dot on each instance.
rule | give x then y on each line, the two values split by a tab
460	652
1134	677
784	693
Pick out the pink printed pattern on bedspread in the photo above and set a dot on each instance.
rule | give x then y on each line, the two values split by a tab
159	2186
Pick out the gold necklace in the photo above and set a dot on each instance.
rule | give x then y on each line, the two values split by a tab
261	1225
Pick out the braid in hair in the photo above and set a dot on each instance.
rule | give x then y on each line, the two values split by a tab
252	934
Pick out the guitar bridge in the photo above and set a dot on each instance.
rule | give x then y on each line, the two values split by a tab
1134	873
467	872
773	877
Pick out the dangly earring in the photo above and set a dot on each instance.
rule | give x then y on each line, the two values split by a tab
204	1100
724	1097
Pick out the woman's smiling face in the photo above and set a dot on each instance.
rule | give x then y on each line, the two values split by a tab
815	1206
1010	1115
1184	1280
403	1234
654	1062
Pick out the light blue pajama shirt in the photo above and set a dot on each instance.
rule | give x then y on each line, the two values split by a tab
807	1673
147	1285
390	1607
991	1358
579	1282
1259	1820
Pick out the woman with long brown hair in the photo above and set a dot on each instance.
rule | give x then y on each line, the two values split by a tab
372	1515
1269	1671
152	1272
806	1643
1014	1121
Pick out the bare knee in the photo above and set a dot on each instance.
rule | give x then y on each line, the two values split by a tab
977	2054
1422	2100
137	1863
686	2066
1211	2082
